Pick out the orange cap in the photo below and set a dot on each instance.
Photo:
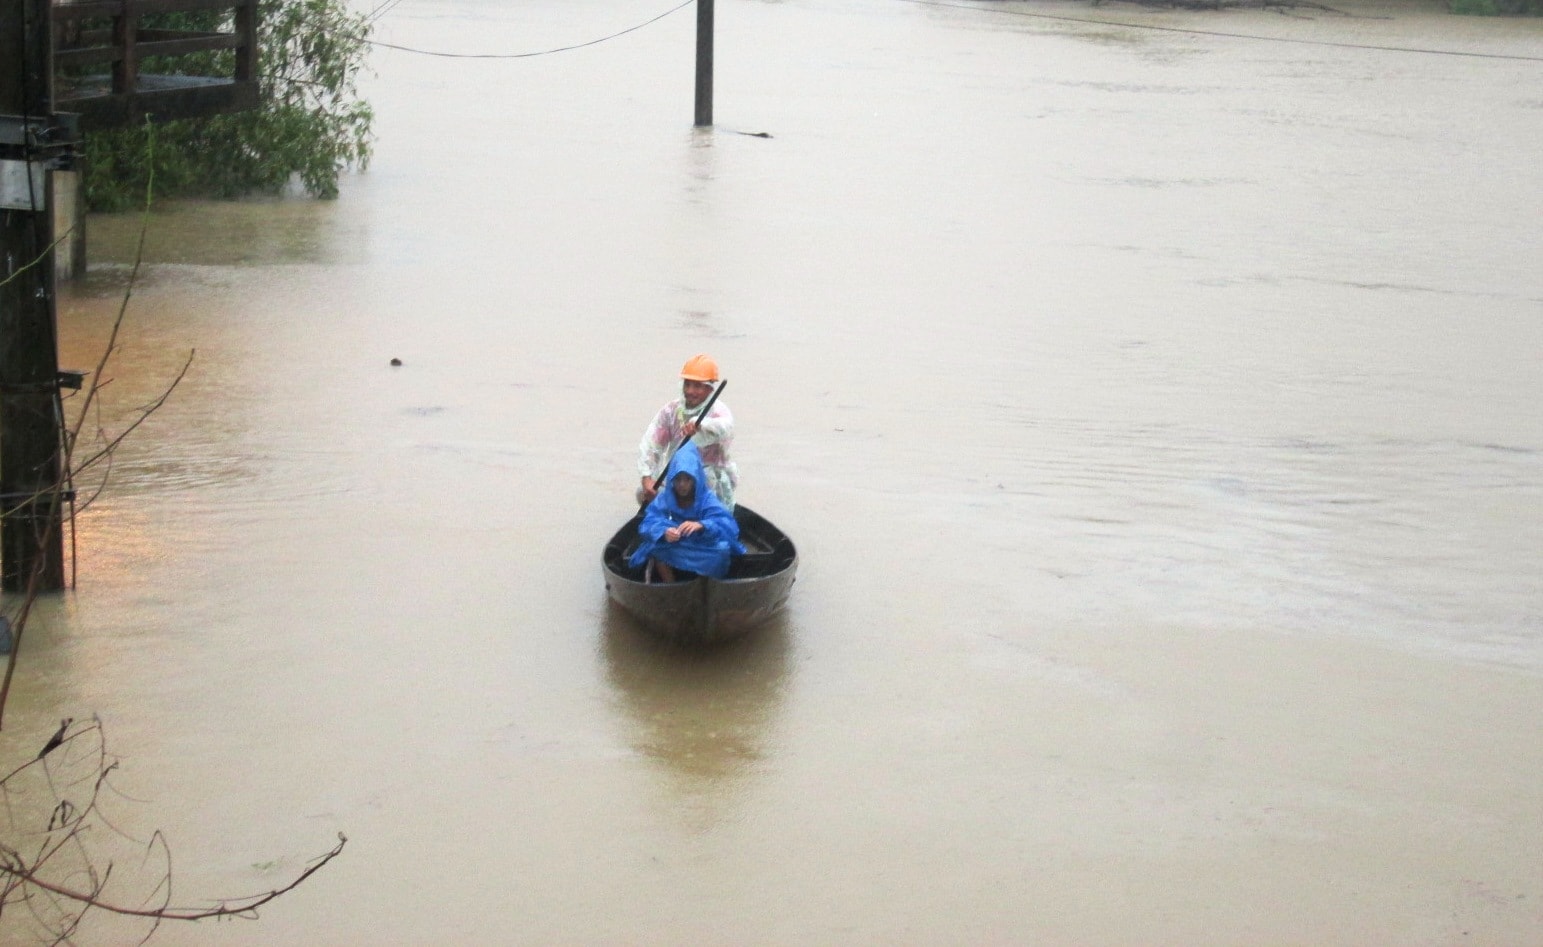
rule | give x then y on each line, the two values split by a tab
700	368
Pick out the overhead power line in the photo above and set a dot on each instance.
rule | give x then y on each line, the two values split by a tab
544	52
387	5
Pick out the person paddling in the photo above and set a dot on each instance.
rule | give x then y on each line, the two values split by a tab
681	418
686	528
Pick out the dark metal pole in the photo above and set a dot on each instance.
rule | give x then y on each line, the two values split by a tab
704	63
31	543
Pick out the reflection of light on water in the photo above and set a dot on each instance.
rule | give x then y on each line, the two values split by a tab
703	715
115	542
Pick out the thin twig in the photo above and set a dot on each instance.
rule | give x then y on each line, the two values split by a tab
236	907
39	258
144	415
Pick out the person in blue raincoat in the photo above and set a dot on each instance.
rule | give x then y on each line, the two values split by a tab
686	526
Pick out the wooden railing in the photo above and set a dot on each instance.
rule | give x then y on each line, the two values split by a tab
93	32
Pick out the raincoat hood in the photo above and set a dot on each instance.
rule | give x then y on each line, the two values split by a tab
706	552
688	460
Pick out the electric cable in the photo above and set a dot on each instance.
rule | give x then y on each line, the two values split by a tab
385	7
544	52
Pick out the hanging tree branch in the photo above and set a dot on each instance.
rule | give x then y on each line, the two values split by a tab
236	907
69	842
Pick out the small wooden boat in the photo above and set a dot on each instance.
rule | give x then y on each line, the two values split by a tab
700	610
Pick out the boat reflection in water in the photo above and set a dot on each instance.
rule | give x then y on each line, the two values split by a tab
704	716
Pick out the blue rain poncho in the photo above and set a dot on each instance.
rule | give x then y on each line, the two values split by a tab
705	552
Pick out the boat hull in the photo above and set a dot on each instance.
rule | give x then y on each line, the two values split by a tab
702	610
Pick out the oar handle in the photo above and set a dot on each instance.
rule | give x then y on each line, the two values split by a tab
717	390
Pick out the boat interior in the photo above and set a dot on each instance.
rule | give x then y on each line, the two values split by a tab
767	552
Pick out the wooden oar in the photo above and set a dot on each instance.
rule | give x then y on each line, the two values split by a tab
659	481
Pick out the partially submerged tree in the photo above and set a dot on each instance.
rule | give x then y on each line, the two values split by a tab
310	125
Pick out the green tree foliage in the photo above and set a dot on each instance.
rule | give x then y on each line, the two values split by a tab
310	125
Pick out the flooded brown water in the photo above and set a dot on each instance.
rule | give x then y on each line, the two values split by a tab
1157	414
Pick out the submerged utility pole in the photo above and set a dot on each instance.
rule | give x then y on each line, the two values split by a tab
704	63
31	142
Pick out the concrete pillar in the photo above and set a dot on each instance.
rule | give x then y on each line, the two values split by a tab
69	206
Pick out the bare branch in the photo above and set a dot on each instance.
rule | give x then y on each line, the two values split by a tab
235	907
144	414
65	879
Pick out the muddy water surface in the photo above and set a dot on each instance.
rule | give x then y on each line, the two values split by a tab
1156	412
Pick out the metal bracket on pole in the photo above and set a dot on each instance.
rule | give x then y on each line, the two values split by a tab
16	131
34	134
53	141
30	147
